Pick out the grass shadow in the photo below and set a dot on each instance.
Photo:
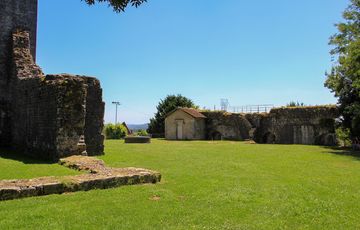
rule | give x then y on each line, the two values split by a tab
342	151
11	154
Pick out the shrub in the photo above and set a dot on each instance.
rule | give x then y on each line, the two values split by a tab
141	132
343	136
117	131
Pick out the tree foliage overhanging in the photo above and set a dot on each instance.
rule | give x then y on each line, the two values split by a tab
165	106
117	5
344	78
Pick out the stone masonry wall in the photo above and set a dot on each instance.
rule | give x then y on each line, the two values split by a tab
94	121
13	14
228	126
299	125
49	115
53	116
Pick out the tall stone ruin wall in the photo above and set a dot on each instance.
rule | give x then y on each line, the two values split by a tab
94	120
52	116
13	14
48	116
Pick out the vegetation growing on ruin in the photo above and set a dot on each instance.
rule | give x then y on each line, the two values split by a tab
206	185
324	109
295	104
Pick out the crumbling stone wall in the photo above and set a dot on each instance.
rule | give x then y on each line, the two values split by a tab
49	115
94	119
298	125
13	14
52	116
227	126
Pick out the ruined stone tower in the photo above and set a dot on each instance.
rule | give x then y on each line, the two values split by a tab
47	116
13	14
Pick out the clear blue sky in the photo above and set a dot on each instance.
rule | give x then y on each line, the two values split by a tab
251	52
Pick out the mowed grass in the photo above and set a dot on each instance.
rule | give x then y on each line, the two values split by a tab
206	185
16	166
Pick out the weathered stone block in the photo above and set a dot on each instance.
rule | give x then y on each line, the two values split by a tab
137	140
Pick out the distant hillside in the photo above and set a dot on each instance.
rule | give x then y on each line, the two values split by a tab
136	127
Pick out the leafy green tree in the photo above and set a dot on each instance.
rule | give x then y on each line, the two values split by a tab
117	5
165	106
344	78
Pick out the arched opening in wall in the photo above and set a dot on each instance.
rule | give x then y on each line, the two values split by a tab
5	134
328	139
269	138
216	136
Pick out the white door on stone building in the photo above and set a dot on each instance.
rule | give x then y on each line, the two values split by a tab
179	129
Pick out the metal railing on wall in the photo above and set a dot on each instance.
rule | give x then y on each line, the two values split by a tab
251	108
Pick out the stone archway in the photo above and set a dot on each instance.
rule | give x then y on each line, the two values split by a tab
216	136
269	138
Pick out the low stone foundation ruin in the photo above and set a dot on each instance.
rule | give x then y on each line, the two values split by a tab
98	177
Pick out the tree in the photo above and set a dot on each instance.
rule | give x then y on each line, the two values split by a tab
117	5
165	106
344	78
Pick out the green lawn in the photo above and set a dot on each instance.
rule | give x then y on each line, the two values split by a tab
15	166
206	185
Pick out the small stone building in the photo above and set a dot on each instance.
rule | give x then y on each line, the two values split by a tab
185	124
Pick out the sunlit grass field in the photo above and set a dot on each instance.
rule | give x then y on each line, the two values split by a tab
205	185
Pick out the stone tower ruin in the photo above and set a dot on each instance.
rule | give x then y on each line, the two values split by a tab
46	116
13	14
